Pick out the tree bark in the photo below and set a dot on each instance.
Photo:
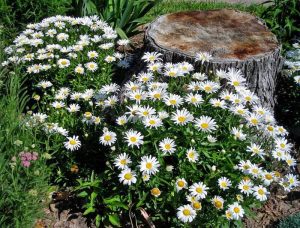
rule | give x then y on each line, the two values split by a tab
234	39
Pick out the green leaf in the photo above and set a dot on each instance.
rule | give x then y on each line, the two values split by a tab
121	33
114	220
89	210
83	194
98	220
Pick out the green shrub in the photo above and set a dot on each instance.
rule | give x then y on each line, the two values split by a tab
14	15
24	174
123	15
290	222
283	18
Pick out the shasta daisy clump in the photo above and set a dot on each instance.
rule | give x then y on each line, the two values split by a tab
225	149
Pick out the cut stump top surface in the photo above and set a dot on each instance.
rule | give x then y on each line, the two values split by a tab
226	34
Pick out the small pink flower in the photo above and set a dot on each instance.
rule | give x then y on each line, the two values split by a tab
28	156
34	156
26	164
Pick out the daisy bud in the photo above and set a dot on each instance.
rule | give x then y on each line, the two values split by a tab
193	141
113	148
169	168
223	151
213	168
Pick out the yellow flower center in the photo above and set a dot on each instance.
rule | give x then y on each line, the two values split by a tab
180	183
254	121
191	155
194	100
73	142
64	62
268	176
167	146
197	205
172	74
123	162
218	204
155	191
133	139
149	165
207	88
261	192
186	212
282	145
223	184
204	125
181	119
157	95
145	113
236	83
138	97
246	187
173	102
107	137
152	122
270	128
236	210
199	190
128	176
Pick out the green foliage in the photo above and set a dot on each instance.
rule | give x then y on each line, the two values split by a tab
283	17
123	15
105	210
169	6
14	14
22	188
290	222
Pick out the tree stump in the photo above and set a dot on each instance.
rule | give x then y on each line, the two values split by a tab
234	39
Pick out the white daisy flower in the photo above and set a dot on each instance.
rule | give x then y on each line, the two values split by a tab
134	138
238	134
58	104
180	184
224	183
156	94
91	66
290	161
155	67
149	165
194	86
182	117
209	86
73	108
282	144
186	213
122	161
218	202
167	145
267	177
217	103
152	122
110	59
226	95
44	84
192	155
236	211
163	115
151	57
246	186
244	166
203	57
278	154
235	78
211	139
108	138
173	100
205	124
122	120
79	69
63	63
260	192
253	119
73	143
92	55
146	111
255	149
138	95
254	170
194	99
145	77
127	177
199	76
199	190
